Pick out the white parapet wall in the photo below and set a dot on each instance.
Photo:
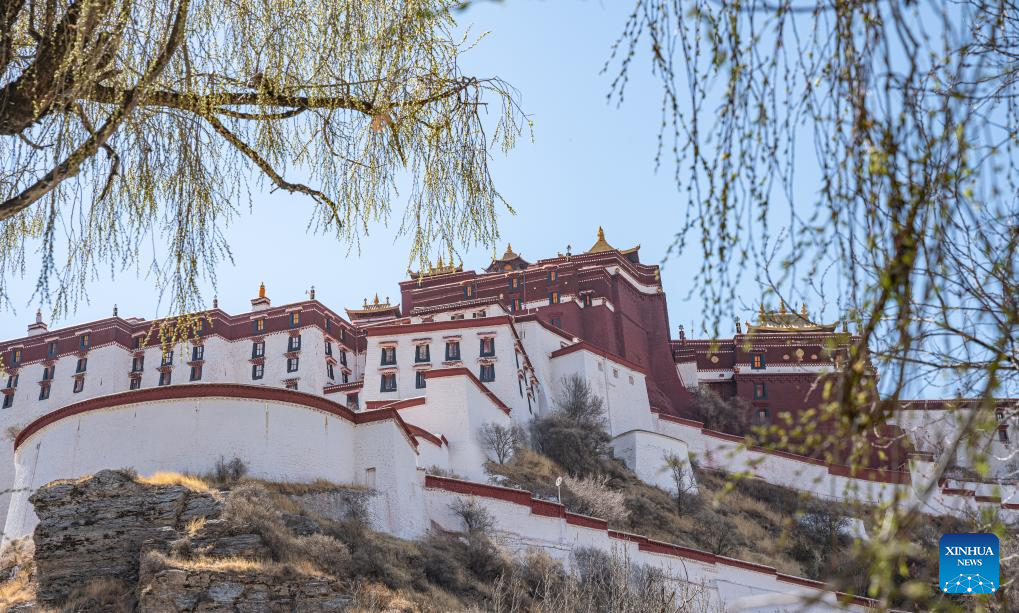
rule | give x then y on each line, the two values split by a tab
820	479
279	434
719	583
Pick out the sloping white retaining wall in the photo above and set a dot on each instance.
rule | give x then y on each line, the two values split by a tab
277	440
521	524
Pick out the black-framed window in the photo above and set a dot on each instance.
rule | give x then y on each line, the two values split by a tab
197	353
329	371
469	291
487	374
257	371
346	378
343	358
44	391
49	372
452	351
514	282
761	416
165	377
329	348
329	325
8	401
478	314
586	300
138	363
419	379
516	305
422	353
167	358
295	319
12	381
292	385
388	356
760	391
487	347
136	383
82	365
757	361
294	344
51	349
136	342
257	349
293	364
84	341
553	297
258	325
388	382
1003	435
196	373
15	357
79	384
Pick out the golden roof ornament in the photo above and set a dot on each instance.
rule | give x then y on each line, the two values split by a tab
781	307
787	321
261	290
601	245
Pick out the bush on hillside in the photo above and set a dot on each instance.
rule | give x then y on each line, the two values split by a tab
574	435
730	415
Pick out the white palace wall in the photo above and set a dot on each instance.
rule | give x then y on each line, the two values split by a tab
280	441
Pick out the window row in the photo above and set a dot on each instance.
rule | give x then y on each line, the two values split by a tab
423	352
486	374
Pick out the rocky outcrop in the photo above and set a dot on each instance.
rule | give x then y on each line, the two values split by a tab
174	548
212	589
95	527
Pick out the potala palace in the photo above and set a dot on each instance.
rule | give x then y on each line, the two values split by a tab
391	396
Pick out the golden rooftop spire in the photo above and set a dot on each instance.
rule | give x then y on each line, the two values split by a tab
781	307
261	290
601	244
803	310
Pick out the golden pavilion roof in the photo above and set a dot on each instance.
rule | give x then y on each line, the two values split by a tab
376	306
438	268
785	320
601	245
508	255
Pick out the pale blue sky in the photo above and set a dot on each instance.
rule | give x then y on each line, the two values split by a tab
590	163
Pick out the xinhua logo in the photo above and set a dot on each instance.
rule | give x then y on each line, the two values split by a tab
968	563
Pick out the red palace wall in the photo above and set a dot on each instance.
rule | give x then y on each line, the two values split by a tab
635	328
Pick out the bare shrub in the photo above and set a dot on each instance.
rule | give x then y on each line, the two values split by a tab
574	435
597	581
681	472
718	534
475	517
730	415
228	472
594	497
499	441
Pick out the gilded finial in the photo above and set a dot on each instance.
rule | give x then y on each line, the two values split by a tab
781	308
760	312
261	290
803	310
601	234
376	299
